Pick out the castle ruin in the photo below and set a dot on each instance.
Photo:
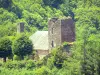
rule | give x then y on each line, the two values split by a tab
59	31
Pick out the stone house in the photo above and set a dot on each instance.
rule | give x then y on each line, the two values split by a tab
59	31
40	43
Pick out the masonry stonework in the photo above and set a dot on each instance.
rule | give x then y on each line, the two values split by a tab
54	32
59	31
67	30
20	27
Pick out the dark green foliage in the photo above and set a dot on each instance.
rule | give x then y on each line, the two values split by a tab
30	64
22	46
5	3
18	12
53	3
30	12
59	57
90	63
56	58
5	47
84	56
5	44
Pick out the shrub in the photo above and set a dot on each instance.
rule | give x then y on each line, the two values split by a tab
30	64
43	71
21	64
15	64
16	57
1	64
10	65
39	63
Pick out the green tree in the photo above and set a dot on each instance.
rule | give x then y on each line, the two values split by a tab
5	47
22	46
53	3
5	3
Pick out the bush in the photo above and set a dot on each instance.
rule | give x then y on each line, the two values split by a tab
1	64
5	71
16	57
30	64
15	64
21	64
43	71
58	56
50	63
10	65
39	63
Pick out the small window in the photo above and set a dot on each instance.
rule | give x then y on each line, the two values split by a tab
52	44
52	30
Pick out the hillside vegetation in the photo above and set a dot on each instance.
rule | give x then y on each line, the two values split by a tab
85	52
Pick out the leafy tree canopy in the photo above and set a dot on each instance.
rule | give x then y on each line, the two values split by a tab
22	46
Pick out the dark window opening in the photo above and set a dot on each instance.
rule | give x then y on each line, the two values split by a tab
52	44
52	30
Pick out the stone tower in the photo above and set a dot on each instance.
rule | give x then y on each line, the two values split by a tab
60	30
20	27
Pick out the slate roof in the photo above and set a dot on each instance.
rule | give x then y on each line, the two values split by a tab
40	40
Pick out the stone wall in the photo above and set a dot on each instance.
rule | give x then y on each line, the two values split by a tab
67	30
42	53
59	31
54	33
20	27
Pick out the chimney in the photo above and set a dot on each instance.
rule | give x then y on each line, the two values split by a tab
20	27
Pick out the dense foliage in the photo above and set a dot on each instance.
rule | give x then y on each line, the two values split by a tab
5	44
5	47
22	46
84	56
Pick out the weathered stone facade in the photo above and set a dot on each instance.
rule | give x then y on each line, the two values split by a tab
54	32
20	27
42	53
67	30
60	30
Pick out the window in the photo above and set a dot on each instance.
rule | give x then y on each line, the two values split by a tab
52	30
52	44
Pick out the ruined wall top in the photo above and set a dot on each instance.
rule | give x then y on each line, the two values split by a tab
60	19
